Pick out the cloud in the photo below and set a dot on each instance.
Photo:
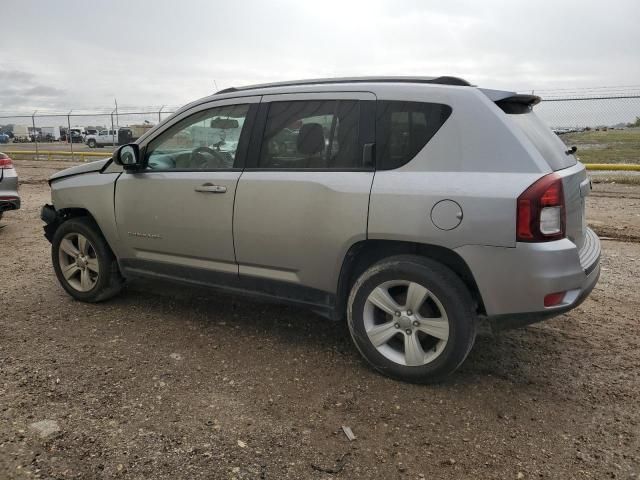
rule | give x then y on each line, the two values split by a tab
9	76
173	52
22	90
43	91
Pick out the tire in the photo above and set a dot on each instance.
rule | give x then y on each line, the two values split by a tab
96	276
411	353
92	143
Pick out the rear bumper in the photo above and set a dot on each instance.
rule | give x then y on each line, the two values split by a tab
514	281
9	198
504	322
9	202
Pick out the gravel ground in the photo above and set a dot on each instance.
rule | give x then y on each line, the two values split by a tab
167	382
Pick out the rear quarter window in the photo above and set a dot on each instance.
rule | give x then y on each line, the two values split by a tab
404	128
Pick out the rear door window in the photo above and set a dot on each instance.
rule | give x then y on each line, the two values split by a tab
312	134
404	128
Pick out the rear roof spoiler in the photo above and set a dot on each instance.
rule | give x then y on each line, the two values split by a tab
512	102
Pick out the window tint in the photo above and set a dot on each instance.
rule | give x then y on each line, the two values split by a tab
404	128
205	141
546	142
312	134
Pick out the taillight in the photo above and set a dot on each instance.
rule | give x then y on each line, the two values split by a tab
5	161
541	211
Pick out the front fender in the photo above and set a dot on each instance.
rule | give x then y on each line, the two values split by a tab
90	192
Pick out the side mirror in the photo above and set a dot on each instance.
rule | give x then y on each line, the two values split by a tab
128	156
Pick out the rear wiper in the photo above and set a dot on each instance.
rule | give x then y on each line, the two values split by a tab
572	150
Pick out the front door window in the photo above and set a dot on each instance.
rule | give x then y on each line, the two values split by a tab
207	140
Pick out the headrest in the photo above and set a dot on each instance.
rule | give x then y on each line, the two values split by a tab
310	139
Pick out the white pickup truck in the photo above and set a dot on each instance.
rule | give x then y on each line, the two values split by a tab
104	137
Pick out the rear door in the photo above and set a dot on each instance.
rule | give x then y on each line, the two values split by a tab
303	198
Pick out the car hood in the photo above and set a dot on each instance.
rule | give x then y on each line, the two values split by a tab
96	166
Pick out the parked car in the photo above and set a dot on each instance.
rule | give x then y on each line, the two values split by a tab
9	197
411	207
104	137
76	137
4	138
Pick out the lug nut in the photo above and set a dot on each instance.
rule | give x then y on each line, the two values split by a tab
397	325
409	312
416	323
407	331
397	314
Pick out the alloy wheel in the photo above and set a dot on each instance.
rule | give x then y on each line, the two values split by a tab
78	262
406	322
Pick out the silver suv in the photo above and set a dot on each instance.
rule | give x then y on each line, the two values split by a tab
412	207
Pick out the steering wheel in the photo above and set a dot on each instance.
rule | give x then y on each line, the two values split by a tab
220	160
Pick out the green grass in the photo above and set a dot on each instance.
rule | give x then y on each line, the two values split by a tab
612	146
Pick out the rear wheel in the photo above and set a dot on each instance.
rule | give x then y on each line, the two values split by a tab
84	264
412	319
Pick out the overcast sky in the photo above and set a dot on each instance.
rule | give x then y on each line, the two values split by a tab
74	54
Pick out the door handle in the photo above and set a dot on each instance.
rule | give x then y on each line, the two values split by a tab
211	188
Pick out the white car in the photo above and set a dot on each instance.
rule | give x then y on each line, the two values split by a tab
104	137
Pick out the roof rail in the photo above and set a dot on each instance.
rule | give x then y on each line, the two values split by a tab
442	80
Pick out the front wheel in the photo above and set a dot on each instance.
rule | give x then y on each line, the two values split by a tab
412	319
84	264
92	143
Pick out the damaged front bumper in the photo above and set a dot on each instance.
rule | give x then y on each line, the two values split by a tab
51	219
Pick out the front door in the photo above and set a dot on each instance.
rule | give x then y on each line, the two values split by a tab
175	216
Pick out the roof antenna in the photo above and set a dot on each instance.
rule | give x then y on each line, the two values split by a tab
215	84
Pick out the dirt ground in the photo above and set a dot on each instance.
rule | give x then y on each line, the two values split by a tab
167	382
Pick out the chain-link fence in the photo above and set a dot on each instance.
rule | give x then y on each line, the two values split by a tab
574	113
568	112
603	123
69	135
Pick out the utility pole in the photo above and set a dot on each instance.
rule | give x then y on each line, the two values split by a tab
69	139
117	122
113	131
